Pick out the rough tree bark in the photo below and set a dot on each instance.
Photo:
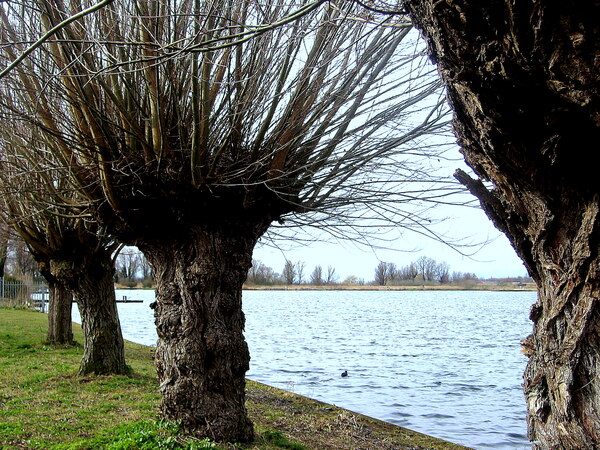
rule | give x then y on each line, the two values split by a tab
201	354
522	79
60	305
90	278
60	325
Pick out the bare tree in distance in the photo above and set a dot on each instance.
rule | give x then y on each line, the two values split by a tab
380	277
191	156
145	269
442	272
523	82
128	264
316	277
331	276
408	272
17	259
289	272
261	274
385	273
300	268
20	260
426	267
422	269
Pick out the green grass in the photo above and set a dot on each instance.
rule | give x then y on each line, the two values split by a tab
44	404
277	438
142	435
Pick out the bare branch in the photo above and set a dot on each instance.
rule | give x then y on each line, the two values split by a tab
50	33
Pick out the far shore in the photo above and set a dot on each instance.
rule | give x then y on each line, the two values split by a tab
341	287
367	287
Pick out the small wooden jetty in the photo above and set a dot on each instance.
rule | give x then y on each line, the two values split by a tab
39	301
126	299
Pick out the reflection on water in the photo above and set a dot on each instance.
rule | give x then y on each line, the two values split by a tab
444	363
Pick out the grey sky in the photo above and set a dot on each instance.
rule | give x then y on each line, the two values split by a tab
494	259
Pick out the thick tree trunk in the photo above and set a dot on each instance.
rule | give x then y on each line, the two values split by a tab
103	342
60	322
60	305
90	278
201	355
522	80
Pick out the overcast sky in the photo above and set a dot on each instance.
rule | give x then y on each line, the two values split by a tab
496	259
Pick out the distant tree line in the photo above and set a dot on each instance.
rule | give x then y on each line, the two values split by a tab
131	269
424	270
291	273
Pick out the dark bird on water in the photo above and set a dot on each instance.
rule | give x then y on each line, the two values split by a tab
345	373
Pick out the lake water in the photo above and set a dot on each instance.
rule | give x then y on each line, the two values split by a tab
446	363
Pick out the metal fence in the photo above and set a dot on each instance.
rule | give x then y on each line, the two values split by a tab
23	294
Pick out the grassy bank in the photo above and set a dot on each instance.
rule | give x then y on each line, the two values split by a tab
45	405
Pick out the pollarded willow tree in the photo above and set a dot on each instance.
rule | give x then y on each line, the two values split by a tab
523	81
60	329
188	139
73	253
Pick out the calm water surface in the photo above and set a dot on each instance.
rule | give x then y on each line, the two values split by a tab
444	363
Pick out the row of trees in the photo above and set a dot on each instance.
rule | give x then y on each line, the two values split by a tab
186	129
424	269
292	273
